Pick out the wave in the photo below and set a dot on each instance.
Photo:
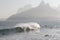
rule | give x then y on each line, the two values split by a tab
21	27
30	25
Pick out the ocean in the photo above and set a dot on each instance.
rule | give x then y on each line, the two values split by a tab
42	34
46	32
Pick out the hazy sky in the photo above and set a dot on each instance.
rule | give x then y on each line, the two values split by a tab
10	7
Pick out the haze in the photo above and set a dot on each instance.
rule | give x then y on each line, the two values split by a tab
10	7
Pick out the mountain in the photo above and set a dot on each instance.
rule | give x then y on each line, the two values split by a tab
25	8
58	8
42	11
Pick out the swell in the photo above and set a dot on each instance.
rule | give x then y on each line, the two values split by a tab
22	27
13	30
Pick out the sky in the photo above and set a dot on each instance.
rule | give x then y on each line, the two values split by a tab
10	7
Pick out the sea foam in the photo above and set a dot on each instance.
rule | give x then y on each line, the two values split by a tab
30	25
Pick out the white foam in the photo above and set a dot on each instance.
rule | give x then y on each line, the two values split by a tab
30	25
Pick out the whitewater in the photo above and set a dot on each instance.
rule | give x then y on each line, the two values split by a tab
40	34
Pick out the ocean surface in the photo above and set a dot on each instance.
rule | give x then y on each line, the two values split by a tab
42	34
46	32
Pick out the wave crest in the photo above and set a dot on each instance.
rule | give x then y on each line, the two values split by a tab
21	27
28	26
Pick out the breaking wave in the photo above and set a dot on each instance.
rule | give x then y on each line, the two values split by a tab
21	27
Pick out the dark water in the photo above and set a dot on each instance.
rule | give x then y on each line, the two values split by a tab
9	31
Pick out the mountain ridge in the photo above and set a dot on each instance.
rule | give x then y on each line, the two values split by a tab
42	11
